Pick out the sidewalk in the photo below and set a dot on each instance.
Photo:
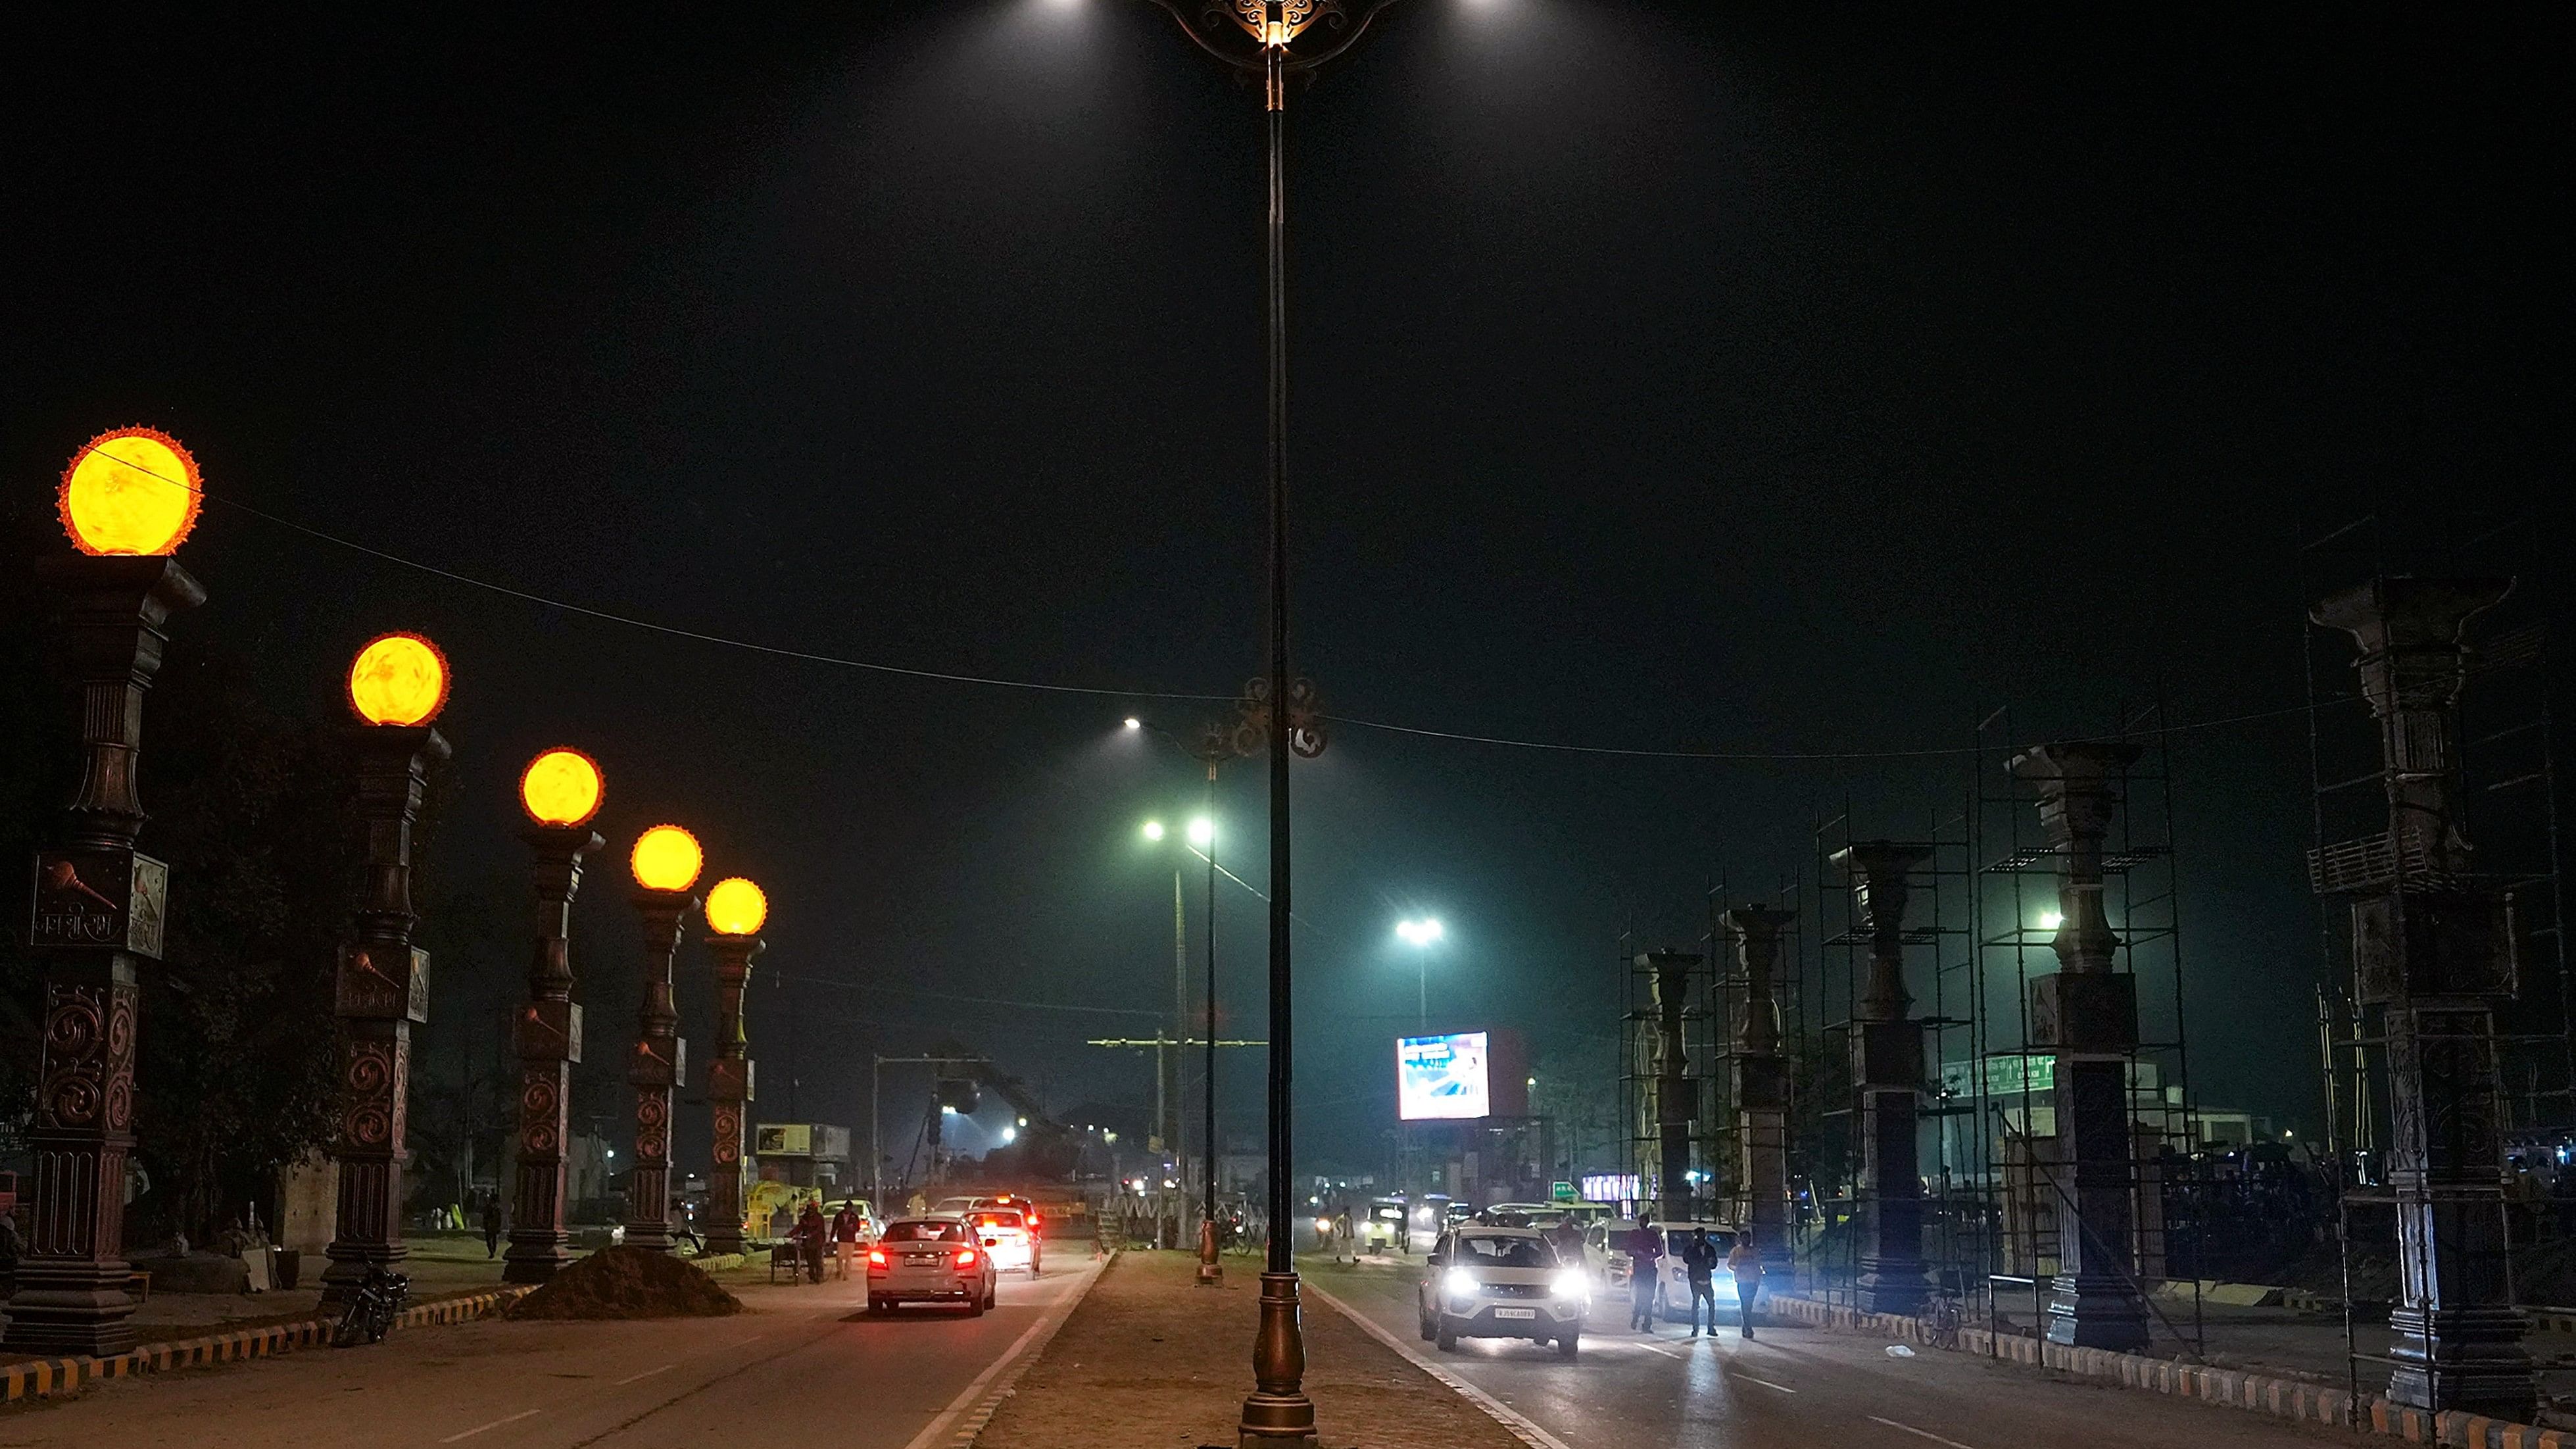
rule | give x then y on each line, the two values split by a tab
1153	1361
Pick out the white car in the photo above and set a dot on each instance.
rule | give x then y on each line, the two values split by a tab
1005	1234
930	1260
1676	1277
1485	1282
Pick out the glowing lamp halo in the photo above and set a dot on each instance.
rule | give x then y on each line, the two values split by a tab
667	858
561	786
736	907
129	491
398	679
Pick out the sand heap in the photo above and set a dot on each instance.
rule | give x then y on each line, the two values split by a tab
626	1282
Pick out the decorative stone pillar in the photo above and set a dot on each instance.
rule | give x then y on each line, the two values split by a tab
1887	1075
2434	954
381	992
1676	1105
2086	1014
729	1089
1761	1086
661	1063
100	908
548	1038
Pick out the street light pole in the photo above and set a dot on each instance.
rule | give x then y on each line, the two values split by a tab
1266	35
1211	1271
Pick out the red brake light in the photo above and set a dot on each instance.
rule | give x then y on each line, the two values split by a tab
876	1257
965	1257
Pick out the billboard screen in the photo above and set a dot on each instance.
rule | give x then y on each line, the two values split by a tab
1439	1077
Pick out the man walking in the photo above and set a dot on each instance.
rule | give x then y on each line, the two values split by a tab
1645	1274
492	1225
1745	1262
1699	1260
845	1239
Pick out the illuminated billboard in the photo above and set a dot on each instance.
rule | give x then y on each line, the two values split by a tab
1439	1077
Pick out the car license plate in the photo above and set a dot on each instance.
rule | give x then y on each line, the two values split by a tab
920	1260
1516	1313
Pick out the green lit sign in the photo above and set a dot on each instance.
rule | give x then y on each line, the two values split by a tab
2004	1075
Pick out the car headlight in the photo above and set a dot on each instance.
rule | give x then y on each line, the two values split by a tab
1571	1283
1460	1283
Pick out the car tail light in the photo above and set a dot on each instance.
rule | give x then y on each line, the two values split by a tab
876	1257
965	1257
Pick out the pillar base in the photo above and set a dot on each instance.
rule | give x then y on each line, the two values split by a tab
348	1264
535	1255
1278	1415
2475	1362
2085	1311
69	1310
652	1237
1891	1285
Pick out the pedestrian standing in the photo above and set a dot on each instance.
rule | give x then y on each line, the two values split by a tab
1699	1261
810	1231
492	1225
1645	1274
685	1218
845	1240
1745	1261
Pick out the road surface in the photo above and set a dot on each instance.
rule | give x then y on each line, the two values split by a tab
807	1366
1795	1388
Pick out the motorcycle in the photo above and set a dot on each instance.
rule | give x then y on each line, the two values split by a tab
372	1310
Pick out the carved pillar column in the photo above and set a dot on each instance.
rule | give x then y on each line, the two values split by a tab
548	1036
729	1088
1887	1074
2434	953
1676	1105
1761	1085
2087	1014
660	1064
382	990
100	908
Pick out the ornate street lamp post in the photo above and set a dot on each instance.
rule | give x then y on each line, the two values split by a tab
663	876
127	499
735	911
561	791
397	685
1277	39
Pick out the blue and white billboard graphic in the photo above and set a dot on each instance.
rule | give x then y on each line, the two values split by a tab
1442	1076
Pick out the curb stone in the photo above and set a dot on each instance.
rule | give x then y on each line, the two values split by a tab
2284	1398
54	1377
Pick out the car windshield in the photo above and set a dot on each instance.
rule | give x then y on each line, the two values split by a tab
925	1232
1481	1250
1676	1239
1000	1218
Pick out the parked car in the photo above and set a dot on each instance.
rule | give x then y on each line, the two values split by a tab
930	1260
1486	1282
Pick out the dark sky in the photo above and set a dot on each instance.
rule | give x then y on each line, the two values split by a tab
1788	380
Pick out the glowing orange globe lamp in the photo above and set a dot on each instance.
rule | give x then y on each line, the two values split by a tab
560	787
132	491
667	858
398	679
736	907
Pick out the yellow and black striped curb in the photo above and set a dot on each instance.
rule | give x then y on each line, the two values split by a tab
48	1377
2282	1398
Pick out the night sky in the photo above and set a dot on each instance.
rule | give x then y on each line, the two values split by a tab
1793	381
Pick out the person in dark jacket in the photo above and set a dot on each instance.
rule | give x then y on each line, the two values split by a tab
1699	1260
1645	1274
492	1226
810	1232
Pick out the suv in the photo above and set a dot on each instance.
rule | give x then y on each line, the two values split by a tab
1674	1289
1486	1282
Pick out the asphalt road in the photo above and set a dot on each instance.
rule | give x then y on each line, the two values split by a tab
1795	1388
808	1365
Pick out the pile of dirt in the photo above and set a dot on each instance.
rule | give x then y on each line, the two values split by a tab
624	1282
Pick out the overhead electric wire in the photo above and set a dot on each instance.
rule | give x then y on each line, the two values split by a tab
998	682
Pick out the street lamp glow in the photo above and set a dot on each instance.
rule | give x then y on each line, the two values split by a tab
132	491
2051	920
1153	830
1202	830
1419	933
667	858
1134	723
736	907
561	787
398	679
1010	1135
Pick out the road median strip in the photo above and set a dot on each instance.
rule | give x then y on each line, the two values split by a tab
54	1377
